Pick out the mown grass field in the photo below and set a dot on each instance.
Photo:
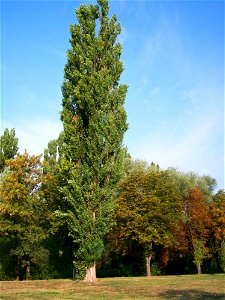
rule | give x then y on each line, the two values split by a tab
165	287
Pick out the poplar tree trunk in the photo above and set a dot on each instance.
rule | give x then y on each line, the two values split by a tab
91	274
148	265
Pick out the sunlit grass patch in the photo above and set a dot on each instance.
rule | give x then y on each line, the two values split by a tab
158	288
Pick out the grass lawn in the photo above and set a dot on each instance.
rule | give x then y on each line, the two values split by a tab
157	288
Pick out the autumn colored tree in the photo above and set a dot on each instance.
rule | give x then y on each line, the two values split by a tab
217	230
94	122
148	209
194	229
8	145
197	194
188	181
217	212
24	218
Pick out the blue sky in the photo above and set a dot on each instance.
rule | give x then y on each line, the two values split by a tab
173	54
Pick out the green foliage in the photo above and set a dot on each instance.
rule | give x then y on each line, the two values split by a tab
42	268
188	181
132	166
24	215
150	204
8	145
155	269
51	189
7	271
148	210
50	157
94	121
198	253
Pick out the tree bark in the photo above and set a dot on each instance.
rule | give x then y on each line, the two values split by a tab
91	274
148	265
199	268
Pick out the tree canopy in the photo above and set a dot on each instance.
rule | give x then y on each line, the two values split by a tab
148	209
94	122
24	215
9	146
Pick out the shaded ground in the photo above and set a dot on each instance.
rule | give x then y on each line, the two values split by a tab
166	287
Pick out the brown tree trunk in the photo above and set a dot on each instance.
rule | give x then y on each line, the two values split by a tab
148	265
91	274
199	268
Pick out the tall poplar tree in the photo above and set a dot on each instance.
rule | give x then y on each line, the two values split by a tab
94	123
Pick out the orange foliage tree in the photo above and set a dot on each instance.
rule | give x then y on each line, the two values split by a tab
194	228
217	212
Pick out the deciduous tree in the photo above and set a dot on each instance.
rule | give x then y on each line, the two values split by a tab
217	230
9	146
24	218
217	212
94	122
198	255
148	210
194	229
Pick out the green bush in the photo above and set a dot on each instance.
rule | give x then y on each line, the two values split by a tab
155	269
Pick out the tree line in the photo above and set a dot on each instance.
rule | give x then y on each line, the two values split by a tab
85	205
170	218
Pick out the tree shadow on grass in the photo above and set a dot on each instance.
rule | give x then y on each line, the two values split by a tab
191	294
